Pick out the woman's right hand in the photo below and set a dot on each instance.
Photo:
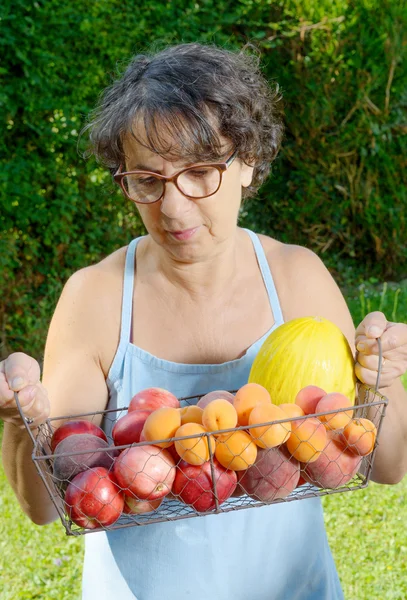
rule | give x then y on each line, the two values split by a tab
21	373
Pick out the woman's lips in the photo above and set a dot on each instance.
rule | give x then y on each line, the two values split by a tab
185	234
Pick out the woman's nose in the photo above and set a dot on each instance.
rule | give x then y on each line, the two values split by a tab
173	203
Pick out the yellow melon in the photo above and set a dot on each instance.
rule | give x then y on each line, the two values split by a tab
301	352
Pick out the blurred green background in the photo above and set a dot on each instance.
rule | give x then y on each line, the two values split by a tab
338	186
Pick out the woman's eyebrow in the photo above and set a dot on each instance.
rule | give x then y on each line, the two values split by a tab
140	167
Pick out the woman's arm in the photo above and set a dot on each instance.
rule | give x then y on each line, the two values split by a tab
306	288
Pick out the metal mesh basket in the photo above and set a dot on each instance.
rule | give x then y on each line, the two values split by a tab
209	489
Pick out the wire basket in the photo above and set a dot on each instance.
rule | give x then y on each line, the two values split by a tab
275	476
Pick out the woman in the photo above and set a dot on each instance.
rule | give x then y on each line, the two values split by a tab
187	133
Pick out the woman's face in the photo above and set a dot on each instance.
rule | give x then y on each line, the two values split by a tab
189	230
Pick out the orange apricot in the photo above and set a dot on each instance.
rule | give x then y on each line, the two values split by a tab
333	401
162	424
236	450
269	436
360	435
191	414
194	450
307	440
219	414
308	398
292	410
247	397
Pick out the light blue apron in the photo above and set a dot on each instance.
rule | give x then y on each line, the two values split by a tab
277	552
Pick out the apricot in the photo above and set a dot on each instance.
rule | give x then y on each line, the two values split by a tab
195	450
235	450
334	466
360	436
161	425
307	440
219	414
269	436
292	410
333	401
308	398
191	414
247	397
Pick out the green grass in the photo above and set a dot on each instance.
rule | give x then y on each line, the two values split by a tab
366	528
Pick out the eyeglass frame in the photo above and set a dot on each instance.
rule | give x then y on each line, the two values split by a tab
118	177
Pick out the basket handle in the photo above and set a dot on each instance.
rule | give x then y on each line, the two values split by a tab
26	420
379	370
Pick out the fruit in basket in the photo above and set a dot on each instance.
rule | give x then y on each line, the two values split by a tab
191	414
74	428
307	440
236	450
247	397
194	485
219	414
334	466
274	475
360	436
334	401
153	398
133	506
269	436
162	424
92	499
194	450
215	395
308	398
292	410
95	452
301	352
128	428
145	472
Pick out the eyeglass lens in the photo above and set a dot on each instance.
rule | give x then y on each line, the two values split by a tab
194	183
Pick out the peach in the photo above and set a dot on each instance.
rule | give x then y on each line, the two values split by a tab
219	414
153	398
307	440
247	397
194	450
333	401
235	450
308	398
161	425
269	436
215	395
274	475
334	466
360	436
191	414
292	410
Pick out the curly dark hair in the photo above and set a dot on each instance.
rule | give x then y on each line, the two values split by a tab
193	92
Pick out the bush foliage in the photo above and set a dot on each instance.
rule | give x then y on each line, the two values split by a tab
338	185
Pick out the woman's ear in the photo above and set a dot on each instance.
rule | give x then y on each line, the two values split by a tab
246	174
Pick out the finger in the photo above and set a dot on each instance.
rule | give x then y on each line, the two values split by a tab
21	370
393	338
373	325
5	393
369	377
370	361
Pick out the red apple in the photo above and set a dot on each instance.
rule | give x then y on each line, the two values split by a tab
92	499
128	428
194	486
74	427
146	472
274	475
132	506
152	398
204	400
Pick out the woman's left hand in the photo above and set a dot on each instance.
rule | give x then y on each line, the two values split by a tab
394	350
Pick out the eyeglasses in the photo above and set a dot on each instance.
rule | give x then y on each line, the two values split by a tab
199	181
